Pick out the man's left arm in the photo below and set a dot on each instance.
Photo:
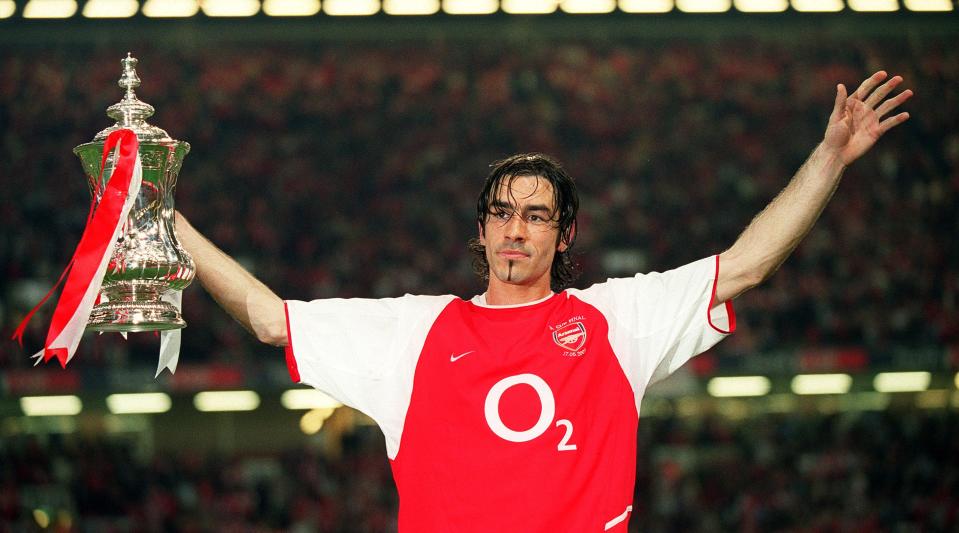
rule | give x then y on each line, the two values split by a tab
856	123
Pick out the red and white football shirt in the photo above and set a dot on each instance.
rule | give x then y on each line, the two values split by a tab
510	418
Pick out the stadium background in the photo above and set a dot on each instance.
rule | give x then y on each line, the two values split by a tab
340	156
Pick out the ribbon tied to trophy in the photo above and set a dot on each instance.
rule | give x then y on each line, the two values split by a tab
128	270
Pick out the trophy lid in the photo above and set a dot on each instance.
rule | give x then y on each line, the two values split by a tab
130	112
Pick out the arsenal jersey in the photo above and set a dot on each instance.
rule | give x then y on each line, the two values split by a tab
510	418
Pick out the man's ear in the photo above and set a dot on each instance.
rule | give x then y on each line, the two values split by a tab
482	233
564	243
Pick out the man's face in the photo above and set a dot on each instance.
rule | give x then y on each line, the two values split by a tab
521	232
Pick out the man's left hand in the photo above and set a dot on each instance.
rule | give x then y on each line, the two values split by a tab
857	120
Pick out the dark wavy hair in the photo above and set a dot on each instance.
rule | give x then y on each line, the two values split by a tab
564	270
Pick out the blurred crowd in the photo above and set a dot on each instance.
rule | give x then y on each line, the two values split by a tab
351	170
865	471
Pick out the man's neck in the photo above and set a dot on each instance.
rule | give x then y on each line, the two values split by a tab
498	293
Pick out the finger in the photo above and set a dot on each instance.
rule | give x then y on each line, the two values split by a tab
839	104
882	91
893	103
892	122
869	84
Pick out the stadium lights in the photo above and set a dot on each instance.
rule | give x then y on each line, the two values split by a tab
307	399
874	5
588	6
237	400
49	9
351	7
411	7
51	405
170	8
138	403
821	383
818	6
305	8
727	387
291	8
42	518
529	7
703	6
901	381
312	421
107	9
761	6
470	7
646	6
928	5
7	8
230	8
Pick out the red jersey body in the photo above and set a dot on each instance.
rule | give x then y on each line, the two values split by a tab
534	434
510	418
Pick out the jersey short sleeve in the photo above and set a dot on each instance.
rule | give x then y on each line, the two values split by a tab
362	352
659	320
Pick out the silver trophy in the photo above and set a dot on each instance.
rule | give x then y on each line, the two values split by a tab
148	261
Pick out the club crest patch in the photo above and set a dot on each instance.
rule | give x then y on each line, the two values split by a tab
570	337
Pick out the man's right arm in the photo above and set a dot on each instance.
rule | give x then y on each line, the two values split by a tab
245	298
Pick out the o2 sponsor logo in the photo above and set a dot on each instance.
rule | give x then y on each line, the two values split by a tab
546	414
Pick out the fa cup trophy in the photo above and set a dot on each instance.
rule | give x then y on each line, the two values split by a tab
148	261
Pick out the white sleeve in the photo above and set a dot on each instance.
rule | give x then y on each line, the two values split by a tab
658	321
362	352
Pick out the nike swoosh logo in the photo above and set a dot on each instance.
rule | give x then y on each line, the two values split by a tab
454	358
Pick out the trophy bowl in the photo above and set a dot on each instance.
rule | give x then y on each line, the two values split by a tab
148	261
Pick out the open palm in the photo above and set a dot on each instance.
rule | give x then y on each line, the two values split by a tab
857	121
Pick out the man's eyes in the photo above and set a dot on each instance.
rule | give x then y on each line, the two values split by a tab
535	219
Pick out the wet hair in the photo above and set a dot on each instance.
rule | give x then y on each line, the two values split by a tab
564	270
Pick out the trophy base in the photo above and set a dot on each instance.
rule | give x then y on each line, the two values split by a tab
133	317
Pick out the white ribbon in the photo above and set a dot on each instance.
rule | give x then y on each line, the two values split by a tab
170	339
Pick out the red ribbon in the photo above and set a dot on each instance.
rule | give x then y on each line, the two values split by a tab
95	243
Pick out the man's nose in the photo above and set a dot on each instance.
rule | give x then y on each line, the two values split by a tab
516	228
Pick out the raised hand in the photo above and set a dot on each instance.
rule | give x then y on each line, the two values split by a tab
857	121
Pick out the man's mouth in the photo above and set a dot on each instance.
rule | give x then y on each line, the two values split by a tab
512	255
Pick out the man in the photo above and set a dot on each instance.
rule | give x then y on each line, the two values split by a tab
517	410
